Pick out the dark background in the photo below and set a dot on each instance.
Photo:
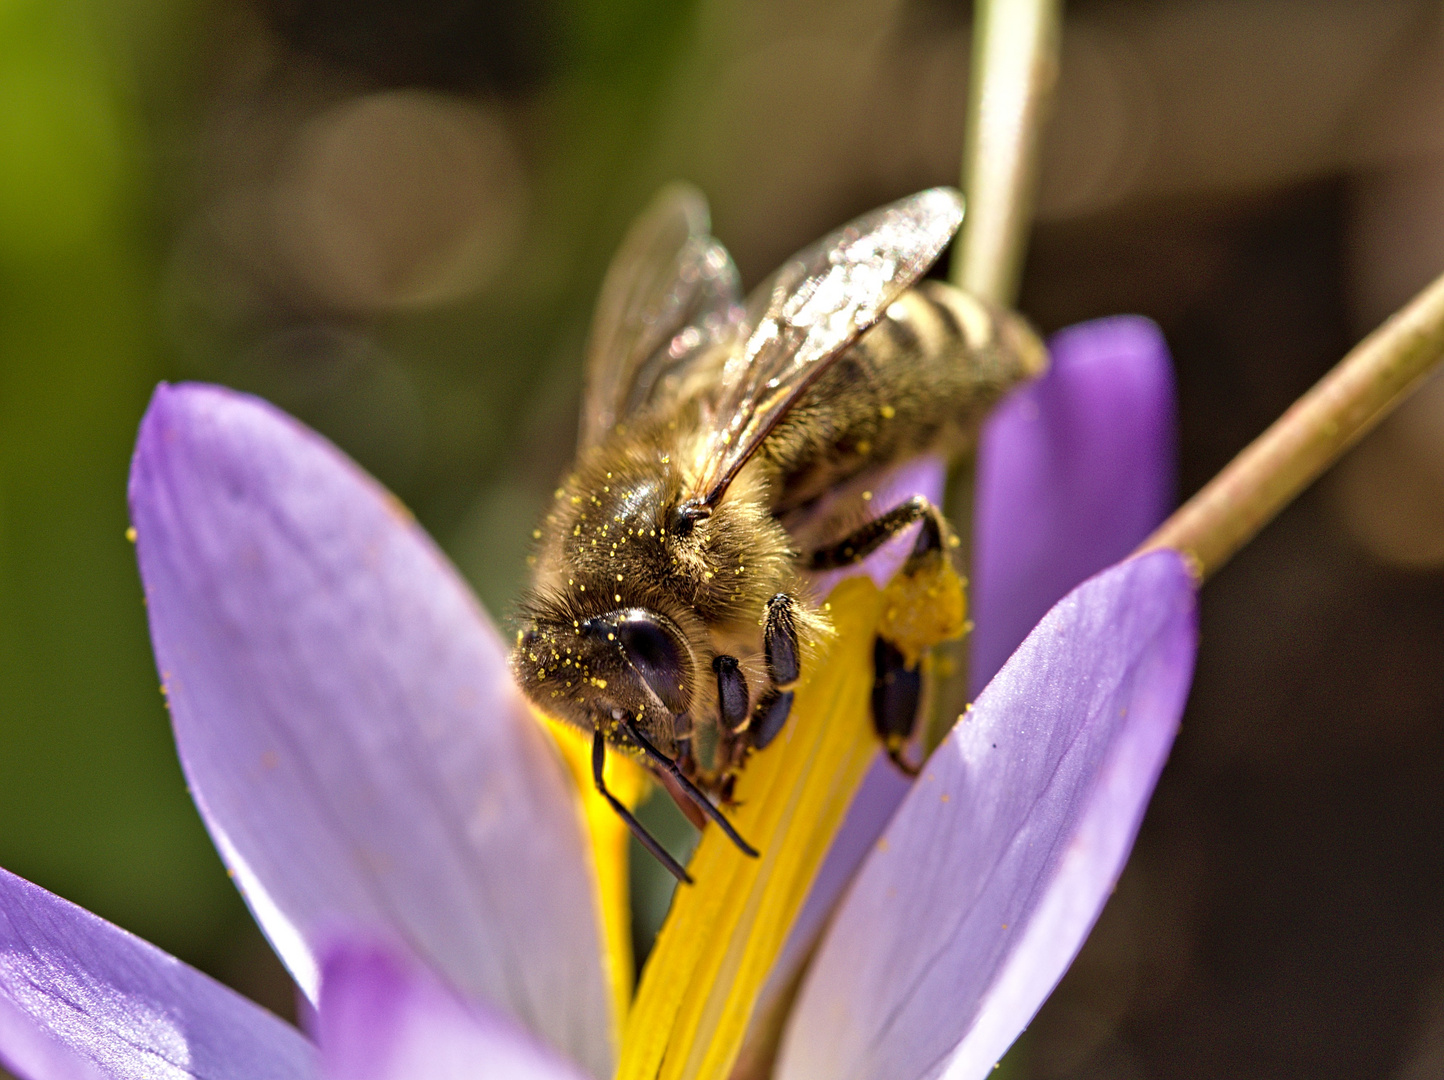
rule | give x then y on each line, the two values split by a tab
391	219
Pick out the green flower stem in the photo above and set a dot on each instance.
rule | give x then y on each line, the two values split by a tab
1379	373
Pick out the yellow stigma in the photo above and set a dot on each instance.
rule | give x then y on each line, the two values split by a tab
723	934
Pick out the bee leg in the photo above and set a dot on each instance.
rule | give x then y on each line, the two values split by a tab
648	841
779	643
769	717
873	534
896	691
923	605
731	692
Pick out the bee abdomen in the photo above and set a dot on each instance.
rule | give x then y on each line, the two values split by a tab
921	380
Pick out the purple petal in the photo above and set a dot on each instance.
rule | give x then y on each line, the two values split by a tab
997	863
348	723
81	999
383	1019
1074	472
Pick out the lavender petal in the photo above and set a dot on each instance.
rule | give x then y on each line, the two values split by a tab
347	721
999	860
81	999
381	1018
1073	472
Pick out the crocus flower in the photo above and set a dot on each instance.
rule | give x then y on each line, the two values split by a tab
418	852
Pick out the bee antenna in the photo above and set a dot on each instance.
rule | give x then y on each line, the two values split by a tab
647	840
688	788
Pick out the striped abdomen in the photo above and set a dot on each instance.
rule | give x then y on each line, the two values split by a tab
919	381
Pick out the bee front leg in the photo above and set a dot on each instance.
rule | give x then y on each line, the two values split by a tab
779	643
731	692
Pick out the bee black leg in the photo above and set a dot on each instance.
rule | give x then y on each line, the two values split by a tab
648	841
896	693
897	686
779	643
688	788
770	716
731	692
872	535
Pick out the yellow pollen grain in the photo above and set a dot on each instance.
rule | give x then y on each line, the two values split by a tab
130	534
887	412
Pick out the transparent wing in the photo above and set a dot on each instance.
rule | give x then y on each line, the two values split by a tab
809	312
670	294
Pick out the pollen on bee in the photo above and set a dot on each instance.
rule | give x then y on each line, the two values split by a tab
536	534
617	597
867	496
887	412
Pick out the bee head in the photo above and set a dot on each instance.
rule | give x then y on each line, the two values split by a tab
627	663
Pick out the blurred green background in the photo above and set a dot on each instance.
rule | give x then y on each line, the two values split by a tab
391	219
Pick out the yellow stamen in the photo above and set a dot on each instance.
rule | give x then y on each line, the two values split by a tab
630	783
724	933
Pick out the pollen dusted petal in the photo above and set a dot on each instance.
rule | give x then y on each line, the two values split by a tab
993	870
1074	471
383	1018
348	724
81	999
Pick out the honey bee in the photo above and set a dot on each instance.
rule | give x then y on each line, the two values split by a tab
670	611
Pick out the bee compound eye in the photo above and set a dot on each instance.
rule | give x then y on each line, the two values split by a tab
659	656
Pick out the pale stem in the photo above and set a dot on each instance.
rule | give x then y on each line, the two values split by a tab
1363	388
1014	68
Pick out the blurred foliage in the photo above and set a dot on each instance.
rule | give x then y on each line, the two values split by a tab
91	800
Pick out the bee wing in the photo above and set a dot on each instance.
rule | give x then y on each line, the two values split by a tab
671	293
809	312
